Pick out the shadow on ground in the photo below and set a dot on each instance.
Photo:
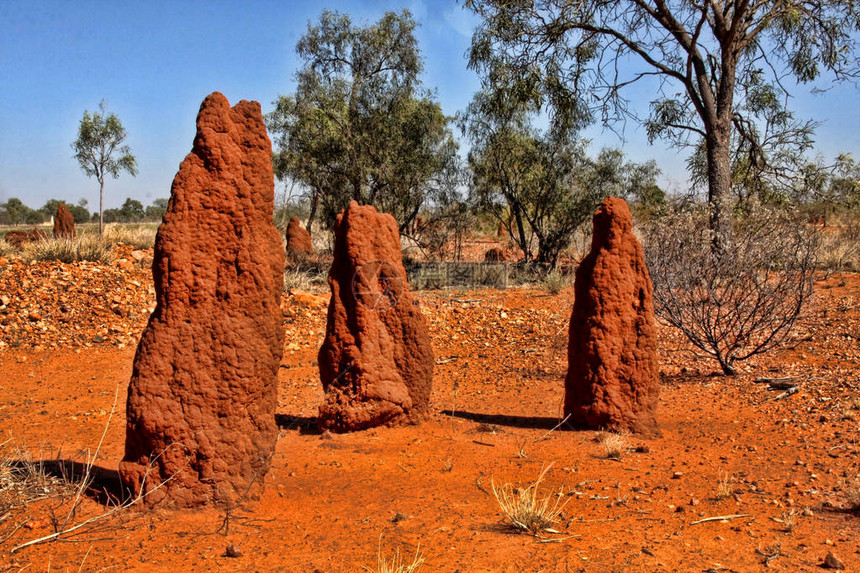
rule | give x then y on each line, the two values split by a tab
525	422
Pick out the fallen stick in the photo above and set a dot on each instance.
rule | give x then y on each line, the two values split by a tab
787	393
777	385
772	380
722	518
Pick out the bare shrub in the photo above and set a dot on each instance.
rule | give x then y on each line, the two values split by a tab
555	281
442	234
737	302
524	510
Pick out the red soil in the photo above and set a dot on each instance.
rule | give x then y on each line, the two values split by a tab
331	501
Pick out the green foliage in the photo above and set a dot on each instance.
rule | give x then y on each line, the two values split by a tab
100	152
555	281
359	127
79	211
540	185
719	68
157	210
14	212
132	210
832	187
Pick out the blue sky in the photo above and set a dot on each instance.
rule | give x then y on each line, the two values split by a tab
154	62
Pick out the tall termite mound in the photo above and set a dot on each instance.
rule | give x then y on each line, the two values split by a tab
202	396
376	363
613	379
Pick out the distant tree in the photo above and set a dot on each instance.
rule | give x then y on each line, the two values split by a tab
100	152
836	185
34	217
712	59
15	212
79	212
12	211
49	209
156	210
131	211
110	216
359	126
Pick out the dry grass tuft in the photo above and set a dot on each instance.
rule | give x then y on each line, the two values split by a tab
614	445
81	248
397	563
554	281
25	480
296	279
140	236
304	279
789	520
724	485
6	248
525	510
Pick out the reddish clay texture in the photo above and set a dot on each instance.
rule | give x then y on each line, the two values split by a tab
203	391
613	378
64	223
18	238
494	255
298	239
376	362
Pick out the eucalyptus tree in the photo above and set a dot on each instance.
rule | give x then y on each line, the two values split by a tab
709	59
359	126
539	183
100	151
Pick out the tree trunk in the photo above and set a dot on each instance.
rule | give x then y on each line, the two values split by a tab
522	233
101	206
727	366
315	198
720	198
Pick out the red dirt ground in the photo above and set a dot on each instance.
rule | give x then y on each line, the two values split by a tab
332	502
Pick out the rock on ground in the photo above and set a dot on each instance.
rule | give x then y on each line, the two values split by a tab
203	391
613	379
64	223
376	362
298	239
